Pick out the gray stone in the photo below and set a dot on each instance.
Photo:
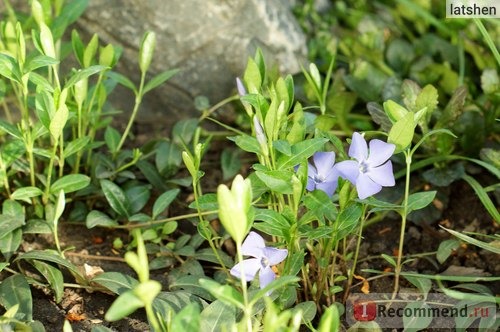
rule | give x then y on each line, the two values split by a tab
208	40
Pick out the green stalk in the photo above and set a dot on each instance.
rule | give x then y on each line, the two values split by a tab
49	171
138	100
397	271
487	39
356	253
247	313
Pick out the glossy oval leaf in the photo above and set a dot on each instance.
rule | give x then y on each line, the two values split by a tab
116	198
164	201
70	183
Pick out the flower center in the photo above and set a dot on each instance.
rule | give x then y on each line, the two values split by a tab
318	178
363	167
264	262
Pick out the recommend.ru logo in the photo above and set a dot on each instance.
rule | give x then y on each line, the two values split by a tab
411	310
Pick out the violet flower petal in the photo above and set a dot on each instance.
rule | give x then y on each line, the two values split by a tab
366	187
358	149
253	245
328	187
380	152
382	175
250	268
274	256
324	162
348	169
266	276
241	88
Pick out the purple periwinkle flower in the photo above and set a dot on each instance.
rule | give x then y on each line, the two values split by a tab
263	258
322	174
371	170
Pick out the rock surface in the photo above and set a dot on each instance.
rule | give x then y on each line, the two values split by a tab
208	40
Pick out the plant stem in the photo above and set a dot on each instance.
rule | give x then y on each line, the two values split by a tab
138	100
397	270
356	253
49	171
247	313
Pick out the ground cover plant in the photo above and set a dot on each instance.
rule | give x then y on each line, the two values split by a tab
379	126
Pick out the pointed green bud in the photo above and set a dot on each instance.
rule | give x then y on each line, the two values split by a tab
37	12
107	56
234	206
394	111
90	51
146	52
47	41
188	161
21	49
80	92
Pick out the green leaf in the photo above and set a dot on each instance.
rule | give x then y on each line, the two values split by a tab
402	131
424	285
394	111
138	197
330	320
58	122
417	322
246	143
283	146
191	284
51	256
277	181
230	163
68	15
10	129
115	282
163	202
218	316
483	196
152	175
70	183
420	200
225	293
188	319
308	309
54	276
98	218
389	259
83	74
301	151
347	221
15	290
112	138
9	223
252	76
445	249
274	285
38	62
275	223
471	240
25	193
10	242
183	131
123	306
116	198
168	158
207	202
122	80
41	82
77	145
159	79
